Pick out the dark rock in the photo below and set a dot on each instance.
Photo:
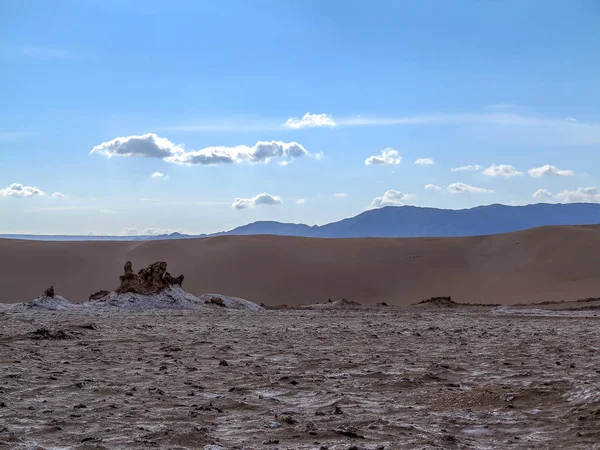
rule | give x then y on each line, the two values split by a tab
150	280
98	295
49	292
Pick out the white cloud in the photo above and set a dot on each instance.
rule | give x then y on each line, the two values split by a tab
462	188
152	146
589	195
570	119
388	156
310	121
549	171
542	193
502	170
58	195
18	190
260	199
300	201
469	168
432	187
160	176
424	161
390	198
340	195
319	156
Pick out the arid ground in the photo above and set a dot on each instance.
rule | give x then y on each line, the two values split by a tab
550	263
324	378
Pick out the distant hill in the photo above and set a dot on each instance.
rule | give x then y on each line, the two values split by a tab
403	221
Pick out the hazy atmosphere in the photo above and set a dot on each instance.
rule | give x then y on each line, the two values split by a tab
136	117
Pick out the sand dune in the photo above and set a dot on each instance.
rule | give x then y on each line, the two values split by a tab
549	263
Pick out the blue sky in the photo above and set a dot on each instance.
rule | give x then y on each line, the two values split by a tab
297	111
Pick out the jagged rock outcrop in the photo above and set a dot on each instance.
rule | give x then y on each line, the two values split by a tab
150	280
98	295
49	292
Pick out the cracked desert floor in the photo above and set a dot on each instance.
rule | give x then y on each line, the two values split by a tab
354	378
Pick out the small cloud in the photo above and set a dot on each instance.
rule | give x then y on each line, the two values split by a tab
388	156
502	170
570	119
390	198
424	161
319	156
542	193
260	199
469	168
587	195
310	121
432	187
462	188
18	190
549	171
300	201
158	175
151	145
340	195
58	195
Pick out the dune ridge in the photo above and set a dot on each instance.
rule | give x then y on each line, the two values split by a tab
542	264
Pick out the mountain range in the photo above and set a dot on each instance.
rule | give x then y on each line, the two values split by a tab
402	221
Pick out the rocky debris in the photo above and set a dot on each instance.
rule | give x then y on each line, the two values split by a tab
45	333
54	302
174	297
150	280
216	301
230	302
98	295
338	304
49	292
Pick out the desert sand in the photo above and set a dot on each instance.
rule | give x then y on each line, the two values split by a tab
331	378
542	264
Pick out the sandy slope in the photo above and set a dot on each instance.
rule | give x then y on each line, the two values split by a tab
550	263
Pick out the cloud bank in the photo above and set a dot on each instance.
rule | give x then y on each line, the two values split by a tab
153	146
19	190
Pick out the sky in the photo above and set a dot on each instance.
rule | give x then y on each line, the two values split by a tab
144	117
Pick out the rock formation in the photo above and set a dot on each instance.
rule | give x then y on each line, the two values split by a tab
151	280
98	295
49	292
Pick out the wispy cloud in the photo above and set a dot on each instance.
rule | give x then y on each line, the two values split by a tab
340	195
469	168
424	161
433	187
462	188
310	121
